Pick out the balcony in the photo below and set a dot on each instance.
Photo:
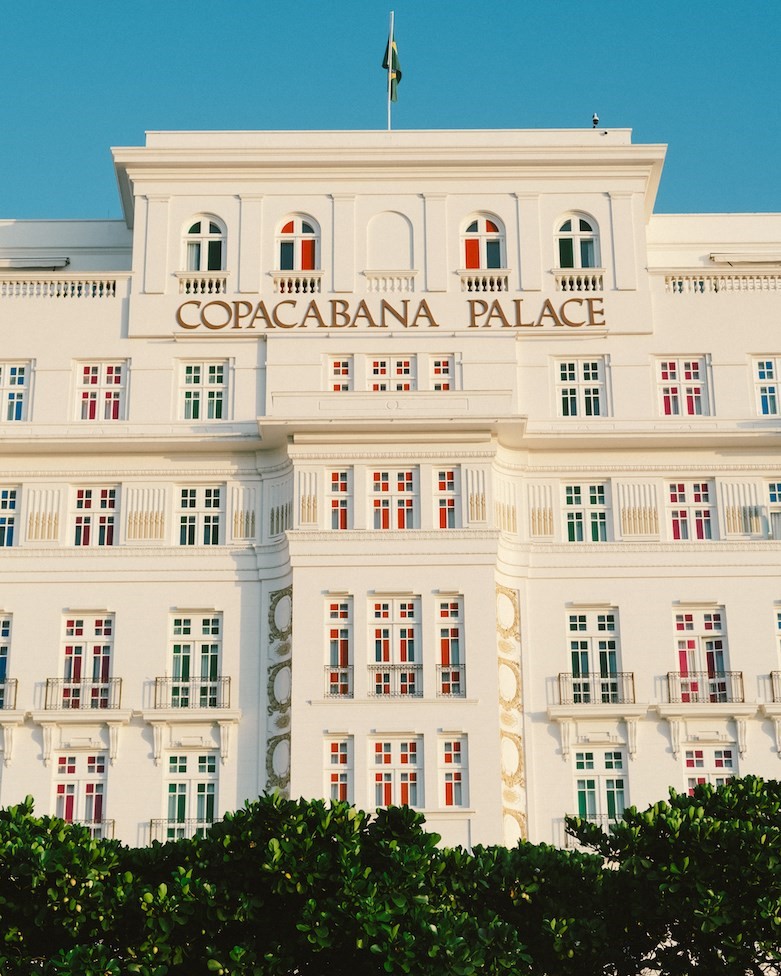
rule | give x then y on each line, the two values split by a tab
393	282
165	830
601	820
396	681
451	680
775	681
202	283
485	281
590	280
192	692
62	694
717	687
597	689
98	829
8	694
297	282
38	285
339	681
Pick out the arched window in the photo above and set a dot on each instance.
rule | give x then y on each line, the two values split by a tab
297	244
578	242
483	244
205	245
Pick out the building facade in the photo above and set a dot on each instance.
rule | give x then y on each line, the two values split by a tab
411	467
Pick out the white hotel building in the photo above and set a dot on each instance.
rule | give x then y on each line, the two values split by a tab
426	467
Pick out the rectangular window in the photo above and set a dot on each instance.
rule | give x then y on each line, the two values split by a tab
196	653
203	393
340	374
716	766
339	666
191	794
774	509
200	516
594	652
691	514
7	698
581	388
602	794
14	391
87	681
395	641
766	375
80	790
453	772
101	391
94	516
442	372
701	648
8	499
451	666
587	513
398	776
340	491
447	496
339	769
682	386
392	374
395	499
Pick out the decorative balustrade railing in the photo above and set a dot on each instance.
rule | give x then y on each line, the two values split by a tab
708	283
202	283
591	280
297	282
58	286
396	681
595	688
390	281
705	686
485	281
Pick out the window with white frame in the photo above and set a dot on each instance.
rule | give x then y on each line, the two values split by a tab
453	771
14	391
339	769
101	390
397	374
191	795
577	242
691	514
204	245
581	387
483	242
394	634
767	370
203	391
340	492
6	694
774	509
701	648
442	372
340	374
715	765
683	387
94	516
339	666
600	784
447	497
8	500
196	654
80	791
200	516
398	772
298	245
587	513
395	499
594	651
451	665
88	649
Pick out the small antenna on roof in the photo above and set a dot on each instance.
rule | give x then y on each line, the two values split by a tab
595	120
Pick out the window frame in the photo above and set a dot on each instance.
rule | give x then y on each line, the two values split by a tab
395	647
340	647
577	239
484	243
587	505
197	390
202	520
394	505
10	498
15	395
596	795
594	655
703	652
454	772
767	389
692	505
302	258
198	252
685	390
101	390
195	657
190	792
577	392
102	517
397	771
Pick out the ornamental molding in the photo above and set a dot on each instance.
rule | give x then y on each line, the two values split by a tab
508	642
764	469
279	686
453	454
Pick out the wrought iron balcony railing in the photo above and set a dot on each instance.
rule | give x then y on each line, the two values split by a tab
339	681
595	688
8	693
164	830
396	681
705	686
192	692
451	680
99	829
61	693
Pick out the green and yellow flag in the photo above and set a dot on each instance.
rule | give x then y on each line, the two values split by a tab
391	64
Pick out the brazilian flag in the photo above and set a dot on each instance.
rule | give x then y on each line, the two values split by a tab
392	62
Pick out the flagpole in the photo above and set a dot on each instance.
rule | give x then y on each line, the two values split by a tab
390	67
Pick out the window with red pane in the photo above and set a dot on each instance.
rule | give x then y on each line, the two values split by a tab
395	635
701	646
340	374
81	790
483	242
447	496
339	668
450	666
101	391
453	772
86	681
298	245
442	370
339	769
395	499
716	766
397	776
396	374
95	516
691	513
340	490
682	387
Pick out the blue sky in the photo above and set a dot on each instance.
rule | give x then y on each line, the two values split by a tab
80	77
